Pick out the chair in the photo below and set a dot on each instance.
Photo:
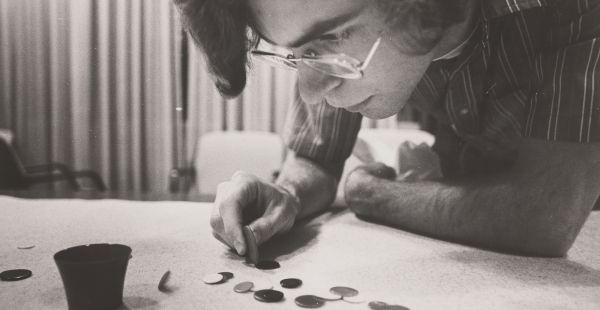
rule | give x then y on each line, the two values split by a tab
15	175
220	154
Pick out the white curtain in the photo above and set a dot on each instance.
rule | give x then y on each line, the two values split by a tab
92	83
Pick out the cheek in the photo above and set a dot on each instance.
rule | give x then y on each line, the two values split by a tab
399	74
392	80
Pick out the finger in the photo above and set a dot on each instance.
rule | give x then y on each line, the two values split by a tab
380	170
409	156
217	225
240	196
274	221
218	237
408	176
408	145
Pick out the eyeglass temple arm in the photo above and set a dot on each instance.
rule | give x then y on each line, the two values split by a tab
370	55
265	53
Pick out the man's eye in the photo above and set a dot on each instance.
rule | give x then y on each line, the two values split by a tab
310	53
337	37
326	43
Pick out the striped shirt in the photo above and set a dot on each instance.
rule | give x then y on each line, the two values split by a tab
532	69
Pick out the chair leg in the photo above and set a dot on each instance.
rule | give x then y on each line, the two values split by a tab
181	179
96	179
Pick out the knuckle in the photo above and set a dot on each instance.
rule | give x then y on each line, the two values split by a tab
287	224
215	221
241	175
352	178
238	173
222	187
350	186
266	231
229	232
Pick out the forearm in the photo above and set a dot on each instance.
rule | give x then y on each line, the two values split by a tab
489	212
309	183
533	209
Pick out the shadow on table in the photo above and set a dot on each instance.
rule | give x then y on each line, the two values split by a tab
531	270
55	297
136	302
300	238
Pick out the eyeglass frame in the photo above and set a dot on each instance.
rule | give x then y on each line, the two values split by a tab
291	62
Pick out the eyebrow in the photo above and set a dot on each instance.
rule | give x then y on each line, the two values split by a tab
317	29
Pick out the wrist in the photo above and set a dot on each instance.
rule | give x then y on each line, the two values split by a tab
366	193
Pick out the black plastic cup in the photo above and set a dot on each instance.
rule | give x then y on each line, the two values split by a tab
93	275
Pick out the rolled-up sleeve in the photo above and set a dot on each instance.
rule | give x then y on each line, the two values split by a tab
321	133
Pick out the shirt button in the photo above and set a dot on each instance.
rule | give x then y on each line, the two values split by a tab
463	111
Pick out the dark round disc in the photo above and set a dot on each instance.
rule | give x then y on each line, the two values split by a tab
290	283
394	307
267	265
309	301
15	275
343	291
243	287
377	305
226	275
268	295
380	305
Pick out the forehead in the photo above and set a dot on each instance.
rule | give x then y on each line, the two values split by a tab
282	21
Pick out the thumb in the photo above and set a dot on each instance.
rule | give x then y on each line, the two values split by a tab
380	170
275	220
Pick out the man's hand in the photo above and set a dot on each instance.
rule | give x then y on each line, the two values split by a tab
360	189
267	208
418	162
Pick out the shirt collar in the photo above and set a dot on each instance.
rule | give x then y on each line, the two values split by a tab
455	52
497	8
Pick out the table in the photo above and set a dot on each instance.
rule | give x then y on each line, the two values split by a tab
334	248
110	194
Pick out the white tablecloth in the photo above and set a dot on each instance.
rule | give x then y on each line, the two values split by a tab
335	248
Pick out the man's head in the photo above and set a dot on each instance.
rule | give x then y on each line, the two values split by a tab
409	29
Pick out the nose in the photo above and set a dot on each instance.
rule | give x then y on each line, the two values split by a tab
314	85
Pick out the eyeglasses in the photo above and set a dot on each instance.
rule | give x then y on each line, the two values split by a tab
338	65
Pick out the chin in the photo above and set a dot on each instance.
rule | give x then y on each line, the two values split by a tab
374	112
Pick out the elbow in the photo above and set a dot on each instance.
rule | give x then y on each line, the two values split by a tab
538	244
546	239
545	248
550	228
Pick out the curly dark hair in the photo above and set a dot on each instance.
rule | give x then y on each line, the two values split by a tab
222	29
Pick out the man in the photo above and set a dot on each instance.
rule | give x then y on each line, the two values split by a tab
512	84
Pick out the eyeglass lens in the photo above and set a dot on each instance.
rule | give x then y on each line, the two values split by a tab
339	69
